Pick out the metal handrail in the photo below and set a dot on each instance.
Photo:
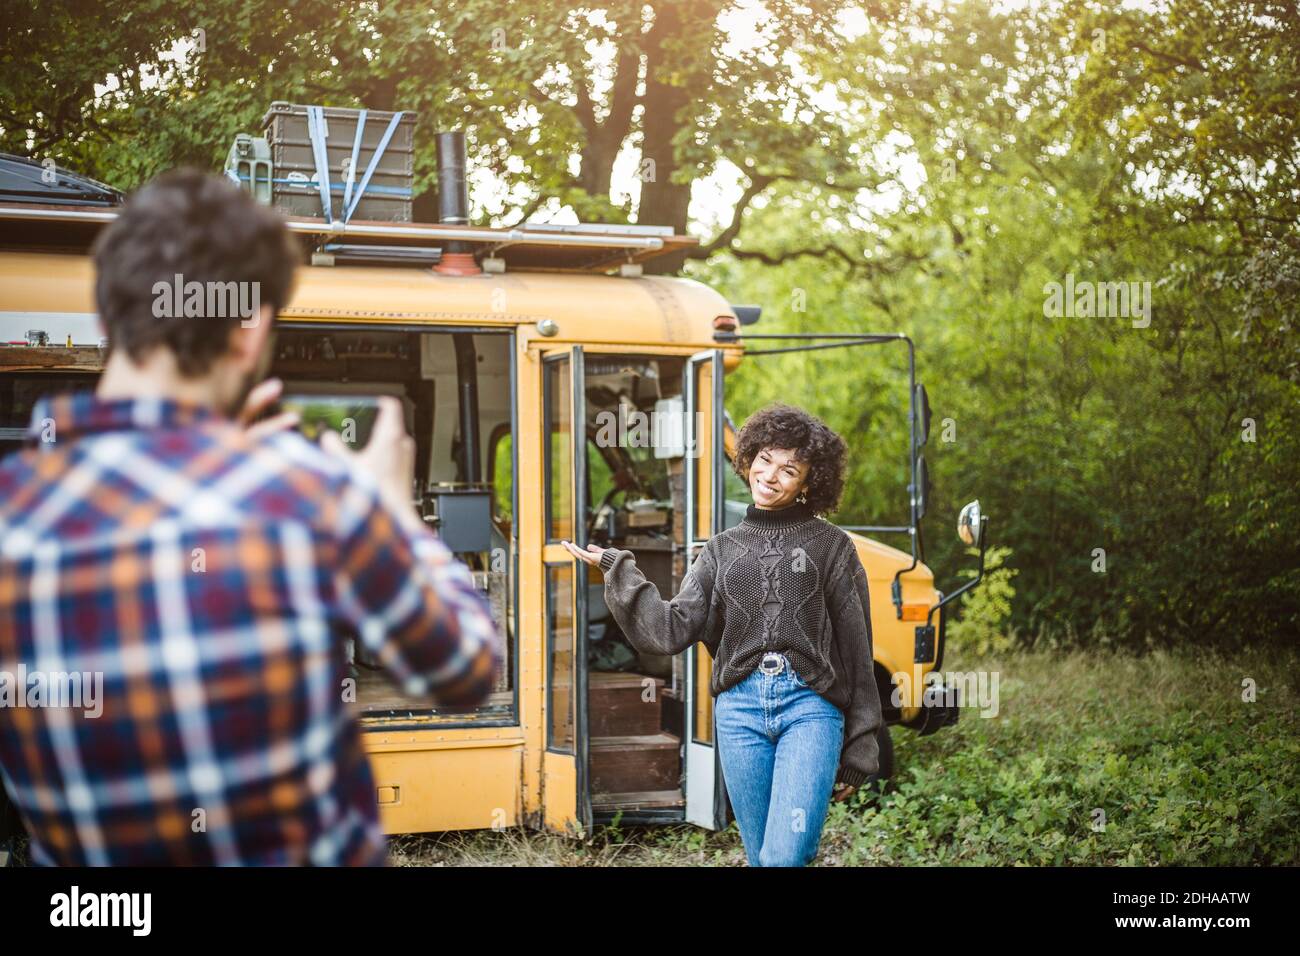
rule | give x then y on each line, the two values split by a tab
848	340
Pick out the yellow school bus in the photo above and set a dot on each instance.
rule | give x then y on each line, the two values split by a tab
500	343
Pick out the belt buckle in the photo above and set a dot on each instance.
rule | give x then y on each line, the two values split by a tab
775	659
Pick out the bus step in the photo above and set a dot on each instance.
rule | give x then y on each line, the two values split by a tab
639	762
619	706
638	800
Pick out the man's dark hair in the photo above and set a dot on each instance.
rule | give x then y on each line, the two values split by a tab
200	227
783	426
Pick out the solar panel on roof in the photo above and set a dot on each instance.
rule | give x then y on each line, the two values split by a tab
28	181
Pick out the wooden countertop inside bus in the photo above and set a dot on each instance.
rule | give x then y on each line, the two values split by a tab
80	357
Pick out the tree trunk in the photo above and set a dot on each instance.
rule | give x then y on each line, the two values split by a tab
664	202
598	165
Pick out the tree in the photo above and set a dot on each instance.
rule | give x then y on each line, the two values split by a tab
549	95
1140	473
1200	100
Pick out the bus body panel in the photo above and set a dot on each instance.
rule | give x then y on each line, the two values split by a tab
434	778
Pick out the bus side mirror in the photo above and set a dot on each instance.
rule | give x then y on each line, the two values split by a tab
922	405
922	490
971	530
970	524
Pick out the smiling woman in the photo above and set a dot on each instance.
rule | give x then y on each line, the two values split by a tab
784	452
776	478
780	601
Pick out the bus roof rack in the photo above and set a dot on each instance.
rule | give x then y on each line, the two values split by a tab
599	229
533	247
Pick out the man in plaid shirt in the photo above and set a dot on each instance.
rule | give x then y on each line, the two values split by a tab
207	570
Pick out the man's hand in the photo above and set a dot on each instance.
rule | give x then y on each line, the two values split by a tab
590	556
389	458
262	397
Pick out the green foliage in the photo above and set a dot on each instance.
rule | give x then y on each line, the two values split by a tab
1097	759
982	627
932	174
547	94
1093	758
502	475
1172	446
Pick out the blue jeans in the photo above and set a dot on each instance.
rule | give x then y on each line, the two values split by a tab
779	742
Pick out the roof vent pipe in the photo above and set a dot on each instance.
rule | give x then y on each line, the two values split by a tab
453	204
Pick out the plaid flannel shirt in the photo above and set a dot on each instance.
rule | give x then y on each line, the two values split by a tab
208	579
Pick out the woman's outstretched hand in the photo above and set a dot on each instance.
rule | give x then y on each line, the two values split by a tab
842	792
590	556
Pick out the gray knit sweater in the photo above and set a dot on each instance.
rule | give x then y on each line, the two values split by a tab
782	580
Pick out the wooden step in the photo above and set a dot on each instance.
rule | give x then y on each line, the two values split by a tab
616	708
638	762
638	800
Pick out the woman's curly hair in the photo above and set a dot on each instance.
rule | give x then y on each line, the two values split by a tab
783	426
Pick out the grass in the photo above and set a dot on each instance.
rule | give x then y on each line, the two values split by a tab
1094	758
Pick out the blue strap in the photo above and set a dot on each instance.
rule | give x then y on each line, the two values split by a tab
315	129
352	166
374	163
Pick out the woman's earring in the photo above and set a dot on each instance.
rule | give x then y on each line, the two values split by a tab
803	498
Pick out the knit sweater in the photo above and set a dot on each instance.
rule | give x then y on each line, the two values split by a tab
781	580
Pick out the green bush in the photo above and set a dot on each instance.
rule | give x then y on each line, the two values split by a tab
1094	758
1098	759
981	627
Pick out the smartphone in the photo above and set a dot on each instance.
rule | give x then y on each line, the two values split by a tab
352	416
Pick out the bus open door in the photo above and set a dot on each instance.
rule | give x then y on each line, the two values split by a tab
566	794
627	738
706	801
